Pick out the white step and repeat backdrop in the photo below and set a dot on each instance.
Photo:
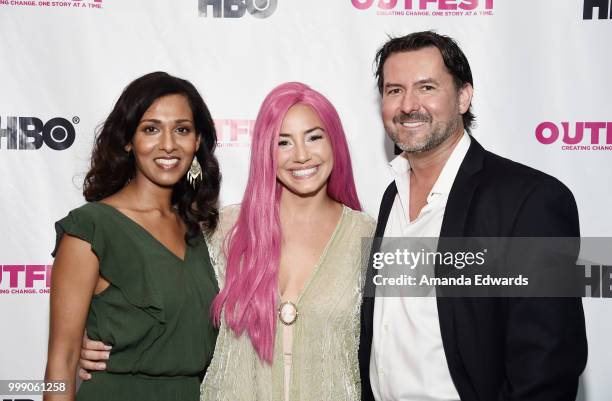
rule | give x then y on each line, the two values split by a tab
542	97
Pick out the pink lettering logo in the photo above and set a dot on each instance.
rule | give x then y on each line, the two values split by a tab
25	279
576	136
234	133
442	8
54	4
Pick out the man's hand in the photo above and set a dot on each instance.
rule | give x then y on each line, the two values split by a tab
93	357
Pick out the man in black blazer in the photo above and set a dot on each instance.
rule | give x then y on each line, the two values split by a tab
490	349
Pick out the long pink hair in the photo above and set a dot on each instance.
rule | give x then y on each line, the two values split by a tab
249	296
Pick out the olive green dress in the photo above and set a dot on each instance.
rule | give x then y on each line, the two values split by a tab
155	313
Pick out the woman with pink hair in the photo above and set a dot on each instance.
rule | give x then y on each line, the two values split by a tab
289	261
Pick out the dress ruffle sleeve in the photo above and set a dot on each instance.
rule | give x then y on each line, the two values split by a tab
91	224
81	224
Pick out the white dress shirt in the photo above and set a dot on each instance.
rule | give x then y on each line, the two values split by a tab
407	362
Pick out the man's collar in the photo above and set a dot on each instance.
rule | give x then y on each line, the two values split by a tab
400	166
447	176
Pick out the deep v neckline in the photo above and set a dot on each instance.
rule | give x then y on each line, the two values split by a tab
320	261
146	232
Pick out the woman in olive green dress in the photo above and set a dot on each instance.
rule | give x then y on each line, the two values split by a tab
131	266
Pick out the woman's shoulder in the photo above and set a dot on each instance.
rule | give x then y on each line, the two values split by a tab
229	212
227	218
88	208
361	220
86	222
89	212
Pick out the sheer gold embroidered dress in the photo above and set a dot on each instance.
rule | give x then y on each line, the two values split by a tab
325	336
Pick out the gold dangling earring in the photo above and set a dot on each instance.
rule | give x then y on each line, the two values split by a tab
194	173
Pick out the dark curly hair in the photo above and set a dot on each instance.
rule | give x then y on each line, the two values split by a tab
112	167
454	59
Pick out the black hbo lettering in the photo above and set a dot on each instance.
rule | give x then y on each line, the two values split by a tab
10	132
602	5
204	4
237	8
58	133
261	8
606	281
233	8
30	136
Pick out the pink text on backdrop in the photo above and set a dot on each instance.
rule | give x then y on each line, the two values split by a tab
234	132
590	132
55	4
16	276
466	5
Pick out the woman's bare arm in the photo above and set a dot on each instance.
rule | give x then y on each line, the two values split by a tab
74	278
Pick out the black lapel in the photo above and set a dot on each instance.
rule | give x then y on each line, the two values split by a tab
367	310
453	225
461	193
385	209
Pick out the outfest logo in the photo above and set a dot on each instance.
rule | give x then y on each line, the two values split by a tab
25	279
582	135
234	133
236	8
427	8
89	4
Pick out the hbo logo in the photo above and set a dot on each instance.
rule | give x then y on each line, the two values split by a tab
237	8
30	133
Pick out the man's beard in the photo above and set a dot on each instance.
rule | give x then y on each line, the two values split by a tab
440	132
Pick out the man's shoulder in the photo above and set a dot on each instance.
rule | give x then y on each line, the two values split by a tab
520	200
501	172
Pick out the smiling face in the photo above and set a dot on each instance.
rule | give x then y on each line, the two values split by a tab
165	141
305	157
421	106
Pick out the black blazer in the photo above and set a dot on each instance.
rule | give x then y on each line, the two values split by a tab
501	348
